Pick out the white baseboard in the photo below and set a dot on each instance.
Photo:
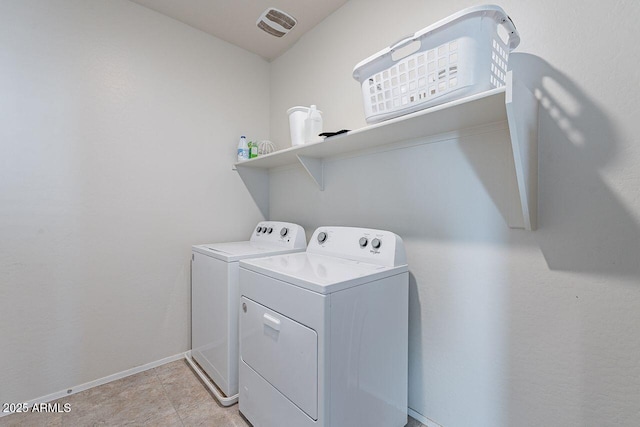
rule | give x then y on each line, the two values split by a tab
424	420
100	381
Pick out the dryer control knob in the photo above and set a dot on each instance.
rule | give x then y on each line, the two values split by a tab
376	243
284	231
270	230
322	237
363	242
259	229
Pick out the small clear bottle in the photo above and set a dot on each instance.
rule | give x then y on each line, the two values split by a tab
243	149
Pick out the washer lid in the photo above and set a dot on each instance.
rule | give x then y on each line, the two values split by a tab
235	251
320	273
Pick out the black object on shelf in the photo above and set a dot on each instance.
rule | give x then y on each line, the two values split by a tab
330	134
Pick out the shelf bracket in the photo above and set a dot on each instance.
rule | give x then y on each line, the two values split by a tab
315	168
522	116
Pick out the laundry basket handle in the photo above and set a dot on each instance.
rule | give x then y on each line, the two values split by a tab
403	41
514	36
504	19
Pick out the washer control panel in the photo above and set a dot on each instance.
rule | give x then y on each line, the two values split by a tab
361	244
282	233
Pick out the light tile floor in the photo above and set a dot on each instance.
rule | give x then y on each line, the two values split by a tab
169	395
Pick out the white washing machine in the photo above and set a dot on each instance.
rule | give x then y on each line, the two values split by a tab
324	333
215	298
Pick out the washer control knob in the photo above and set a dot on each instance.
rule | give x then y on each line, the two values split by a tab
322	237
375	243
363	242
270	230
284	231
259	229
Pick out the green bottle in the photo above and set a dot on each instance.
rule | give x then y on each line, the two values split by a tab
253	149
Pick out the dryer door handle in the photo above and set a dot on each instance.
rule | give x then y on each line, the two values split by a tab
271	321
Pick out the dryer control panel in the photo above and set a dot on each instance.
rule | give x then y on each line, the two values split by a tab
361	244
285	234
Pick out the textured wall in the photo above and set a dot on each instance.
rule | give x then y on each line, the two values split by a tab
507	327
118	127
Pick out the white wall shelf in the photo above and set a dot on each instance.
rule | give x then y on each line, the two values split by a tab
513	103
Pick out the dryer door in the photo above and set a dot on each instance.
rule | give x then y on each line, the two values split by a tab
282	351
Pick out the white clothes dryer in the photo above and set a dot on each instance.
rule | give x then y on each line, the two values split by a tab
215	300
324	333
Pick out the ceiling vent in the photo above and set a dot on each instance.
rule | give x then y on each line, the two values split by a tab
276	22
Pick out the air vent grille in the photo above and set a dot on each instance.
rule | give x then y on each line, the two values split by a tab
276	22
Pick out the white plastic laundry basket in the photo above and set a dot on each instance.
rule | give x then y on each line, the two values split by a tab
461	55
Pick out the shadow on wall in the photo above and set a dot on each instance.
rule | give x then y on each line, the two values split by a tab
582	225
416	358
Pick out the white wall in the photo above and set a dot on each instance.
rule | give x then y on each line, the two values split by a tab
118	127
507	327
